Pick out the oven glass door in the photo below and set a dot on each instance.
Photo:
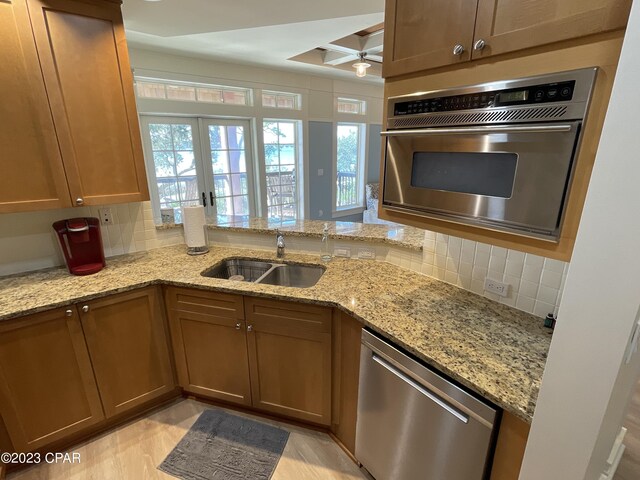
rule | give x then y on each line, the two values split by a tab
510	176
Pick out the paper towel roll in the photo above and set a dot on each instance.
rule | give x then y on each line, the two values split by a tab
193	222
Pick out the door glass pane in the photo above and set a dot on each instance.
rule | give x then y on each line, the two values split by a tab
479	173
175	165
230	175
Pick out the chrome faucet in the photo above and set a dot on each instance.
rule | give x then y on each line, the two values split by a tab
279	244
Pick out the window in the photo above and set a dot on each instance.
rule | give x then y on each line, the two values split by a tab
174	163
280	156
228	162
192	92
290	101
350	105
184	171
349	166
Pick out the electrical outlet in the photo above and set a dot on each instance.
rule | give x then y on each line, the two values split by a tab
367	253
106	217
496	287
342	252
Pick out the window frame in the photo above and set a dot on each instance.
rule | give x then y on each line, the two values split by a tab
152	179
360	170
249	92
201	148
298	164
362	104
297	100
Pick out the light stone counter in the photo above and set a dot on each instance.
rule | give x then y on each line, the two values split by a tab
398	235
495	350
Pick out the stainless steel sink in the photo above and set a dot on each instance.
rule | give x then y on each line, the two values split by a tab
301	276
285	275
238	269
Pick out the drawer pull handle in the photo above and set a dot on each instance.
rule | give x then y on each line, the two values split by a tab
85	308
69	313
238	325
249	328
458	50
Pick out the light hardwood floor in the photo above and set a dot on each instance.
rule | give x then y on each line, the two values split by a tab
133	451
629	468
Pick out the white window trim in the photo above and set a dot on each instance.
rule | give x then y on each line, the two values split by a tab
360	178
301	191
204	170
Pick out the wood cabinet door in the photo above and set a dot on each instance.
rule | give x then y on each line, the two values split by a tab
127	340
209	344
422	34
84	59
47	387
509	25
290	358
32	175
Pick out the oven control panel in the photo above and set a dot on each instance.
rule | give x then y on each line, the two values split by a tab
535	94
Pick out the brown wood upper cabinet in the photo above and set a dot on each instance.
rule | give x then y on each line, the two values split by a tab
78	143
128	346
47	387
420	34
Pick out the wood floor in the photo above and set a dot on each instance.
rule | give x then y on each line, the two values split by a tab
629	468
133	451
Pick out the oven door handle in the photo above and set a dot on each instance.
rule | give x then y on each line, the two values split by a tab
487	129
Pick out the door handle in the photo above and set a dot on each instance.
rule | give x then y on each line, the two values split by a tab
211	198
204	199
487	129
430	395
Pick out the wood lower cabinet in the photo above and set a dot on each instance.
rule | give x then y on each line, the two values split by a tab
347	337
210	345
32	176
47	387
128	346
290	358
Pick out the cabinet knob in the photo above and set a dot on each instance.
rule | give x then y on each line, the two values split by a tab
79	201
69	313
479	45
249	328
238	325
458	50
85	308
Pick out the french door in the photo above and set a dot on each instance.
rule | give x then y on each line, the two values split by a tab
199	162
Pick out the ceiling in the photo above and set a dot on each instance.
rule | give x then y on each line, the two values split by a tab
258	32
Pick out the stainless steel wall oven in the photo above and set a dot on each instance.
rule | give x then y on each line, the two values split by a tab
497	155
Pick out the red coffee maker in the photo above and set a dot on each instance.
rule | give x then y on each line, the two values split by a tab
81	244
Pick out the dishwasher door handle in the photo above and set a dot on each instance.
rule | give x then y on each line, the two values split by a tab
430	395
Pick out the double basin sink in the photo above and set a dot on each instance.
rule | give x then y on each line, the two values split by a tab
281	274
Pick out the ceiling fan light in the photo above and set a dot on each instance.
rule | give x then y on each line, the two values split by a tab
361	68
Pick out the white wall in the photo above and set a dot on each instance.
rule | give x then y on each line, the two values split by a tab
585	384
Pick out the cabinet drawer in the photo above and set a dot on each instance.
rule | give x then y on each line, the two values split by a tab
221	305
279	314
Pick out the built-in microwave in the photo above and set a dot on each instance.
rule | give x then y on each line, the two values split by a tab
498	155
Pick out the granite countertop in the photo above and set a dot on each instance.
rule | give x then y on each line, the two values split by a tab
493	349
399	235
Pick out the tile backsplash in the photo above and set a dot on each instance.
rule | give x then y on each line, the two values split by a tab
27	242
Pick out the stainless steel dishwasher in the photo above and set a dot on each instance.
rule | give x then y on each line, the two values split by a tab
413	424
